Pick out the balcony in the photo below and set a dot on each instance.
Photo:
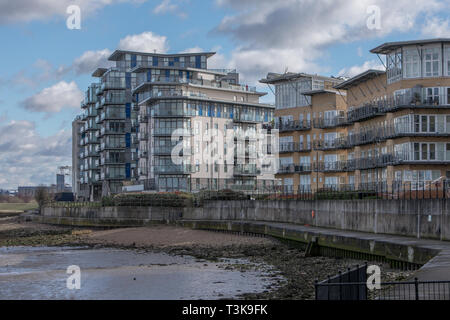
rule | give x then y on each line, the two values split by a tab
294	168
112	100
143	154
144	82
246	170
143	135
330	122
170	131
104	131
167	150
334	166
112	85
143	118
338	143
173	169
104	146
108	160
112	115
295	125
391	104
168	113
294	147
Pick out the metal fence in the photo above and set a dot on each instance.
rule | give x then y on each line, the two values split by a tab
405	290
350	285
382	190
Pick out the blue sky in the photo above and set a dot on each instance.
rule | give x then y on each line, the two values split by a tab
45	67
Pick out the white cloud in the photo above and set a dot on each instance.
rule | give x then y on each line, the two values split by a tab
355	70
55	98
26	158
167	6
90	60
145	42
192	50
436	27
272	35
26	10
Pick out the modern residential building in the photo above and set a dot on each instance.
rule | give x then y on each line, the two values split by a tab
393	129
307	107
167	122
77	123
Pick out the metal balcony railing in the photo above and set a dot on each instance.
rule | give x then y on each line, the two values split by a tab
295	168
295	125
330	122
287	147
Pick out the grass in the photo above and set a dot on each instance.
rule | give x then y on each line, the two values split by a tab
17	207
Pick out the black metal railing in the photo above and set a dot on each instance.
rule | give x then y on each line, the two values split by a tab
294	125
405	290
350	285
324	123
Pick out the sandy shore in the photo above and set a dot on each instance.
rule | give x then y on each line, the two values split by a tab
298	271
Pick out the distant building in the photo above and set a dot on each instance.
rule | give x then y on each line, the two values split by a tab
30	191
60	183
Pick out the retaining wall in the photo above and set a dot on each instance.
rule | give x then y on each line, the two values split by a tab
428	218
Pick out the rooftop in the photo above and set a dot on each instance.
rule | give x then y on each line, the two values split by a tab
115	56
389	46
362	77
277	77
319	91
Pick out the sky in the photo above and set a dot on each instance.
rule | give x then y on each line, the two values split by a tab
45	67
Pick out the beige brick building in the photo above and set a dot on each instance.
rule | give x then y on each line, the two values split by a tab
379	128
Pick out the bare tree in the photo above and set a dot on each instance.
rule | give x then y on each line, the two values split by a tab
42	197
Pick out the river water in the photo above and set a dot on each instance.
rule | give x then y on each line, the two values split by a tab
40	273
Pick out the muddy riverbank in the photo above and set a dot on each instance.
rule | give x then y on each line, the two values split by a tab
297	272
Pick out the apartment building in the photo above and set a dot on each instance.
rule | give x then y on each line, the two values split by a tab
167	122
386	128
306	115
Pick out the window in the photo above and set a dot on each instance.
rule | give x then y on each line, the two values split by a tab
432	151
432	95
431	57
424	151
416	151
447	60
411	63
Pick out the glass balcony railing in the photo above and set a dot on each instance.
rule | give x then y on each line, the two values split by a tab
167	150
169	131
173	169
246	170
199	82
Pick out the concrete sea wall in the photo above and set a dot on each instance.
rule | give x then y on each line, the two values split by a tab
426	218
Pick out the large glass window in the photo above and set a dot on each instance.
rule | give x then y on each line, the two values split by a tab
411	63
447	61
431	65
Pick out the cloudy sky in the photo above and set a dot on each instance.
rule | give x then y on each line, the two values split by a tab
45	67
